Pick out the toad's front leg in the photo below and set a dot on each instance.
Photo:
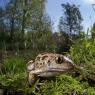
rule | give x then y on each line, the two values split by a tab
32	78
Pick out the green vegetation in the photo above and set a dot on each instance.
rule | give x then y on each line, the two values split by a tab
83	52
14	77
26	30
66	85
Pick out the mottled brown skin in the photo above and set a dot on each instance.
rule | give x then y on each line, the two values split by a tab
48	65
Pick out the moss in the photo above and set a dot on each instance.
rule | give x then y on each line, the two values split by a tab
14	77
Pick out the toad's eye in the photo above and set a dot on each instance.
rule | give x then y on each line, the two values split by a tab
59	60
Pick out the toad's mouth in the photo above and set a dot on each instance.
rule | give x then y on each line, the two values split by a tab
52	70
58	69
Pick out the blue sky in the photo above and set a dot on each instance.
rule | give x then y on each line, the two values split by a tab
3	2
54	9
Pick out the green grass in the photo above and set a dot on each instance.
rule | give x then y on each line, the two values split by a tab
14	65
66	85
14	74
83	52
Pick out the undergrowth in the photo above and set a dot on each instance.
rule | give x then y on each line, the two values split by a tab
13	75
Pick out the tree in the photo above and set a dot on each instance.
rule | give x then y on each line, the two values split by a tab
62	42
40	38
93	31
38	14
28	26
3	36
10	17
30	11
71	20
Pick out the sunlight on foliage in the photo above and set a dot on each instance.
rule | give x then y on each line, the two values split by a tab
64	85
83	52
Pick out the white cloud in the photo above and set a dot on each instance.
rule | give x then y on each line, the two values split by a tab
89	1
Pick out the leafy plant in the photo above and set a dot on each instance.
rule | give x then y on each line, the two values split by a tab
65	85
14	65
83	52
13	74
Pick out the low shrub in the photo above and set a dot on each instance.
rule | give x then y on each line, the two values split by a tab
66	85
13	75
83	52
